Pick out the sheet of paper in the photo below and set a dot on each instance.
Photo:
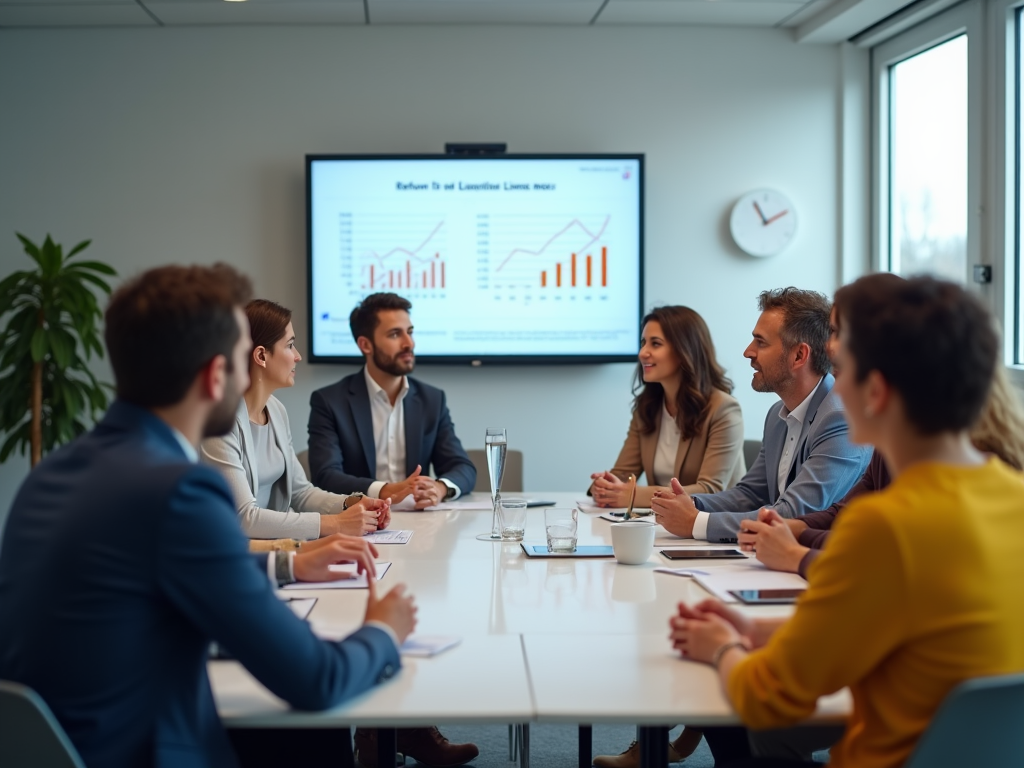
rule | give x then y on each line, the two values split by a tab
428	645
358	582
301	606
388	536
474	501
751	574
616	515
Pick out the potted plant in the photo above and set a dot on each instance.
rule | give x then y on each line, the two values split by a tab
51	332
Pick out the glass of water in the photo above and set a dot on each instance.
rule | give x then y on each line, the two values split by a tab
560	526
513	519
495	446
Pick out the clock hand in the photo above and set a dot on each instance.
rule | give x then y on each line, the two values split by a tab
758	209
776	216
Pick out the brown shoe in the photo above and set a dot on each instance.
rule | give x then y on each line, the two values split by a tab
631	757
366	748
429	747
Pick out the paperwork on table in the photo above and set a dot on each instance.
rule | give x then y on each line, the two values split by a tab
357	582
388	536
752	574
424	646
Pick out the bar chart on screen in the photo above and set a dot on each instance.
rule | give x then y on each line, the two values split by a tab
405	253
548	256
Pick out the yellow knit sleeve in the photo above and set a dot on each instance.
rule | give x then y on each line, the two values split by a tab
851	617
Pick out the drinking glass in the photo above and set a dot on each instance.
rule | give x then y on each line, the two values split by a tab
495	445
513	519
560	526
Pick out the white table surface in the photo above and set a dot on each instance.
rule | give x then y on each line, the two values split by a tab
585	613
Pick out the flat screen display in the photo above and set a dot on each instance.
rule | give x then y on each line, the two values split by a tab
510	258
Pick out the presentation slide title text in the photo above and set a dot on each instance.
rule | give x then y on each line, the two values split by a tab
483	186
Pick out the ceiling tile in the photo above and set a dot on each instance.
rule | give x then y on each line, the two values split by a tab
482	12
73	15
203	12
703	12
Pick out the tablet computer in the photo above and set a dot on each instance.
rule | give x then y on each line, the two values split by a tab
766	596
703	554
541	550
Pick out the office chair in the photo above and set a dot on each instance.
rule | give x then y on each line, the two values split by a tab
30	736
979	724
512	478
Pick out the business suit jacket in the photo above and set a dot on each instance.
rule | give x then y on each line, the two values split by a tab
710	461
342	454
295	504
120	563
826	465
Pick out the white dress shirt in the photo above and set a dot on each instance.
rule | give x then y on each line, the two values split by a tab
794	425
389	436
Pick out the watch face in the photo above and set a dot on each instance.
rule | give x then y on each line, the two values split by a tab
763	222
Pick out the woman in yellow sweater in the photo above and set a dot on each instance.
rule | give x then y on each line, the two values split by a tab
918	589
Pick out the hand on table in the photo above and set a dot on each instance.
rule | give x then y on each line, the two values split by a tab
773	541
395	609
398	491
354	521
313	560
697	633
609	491
381	508
674	509
428	492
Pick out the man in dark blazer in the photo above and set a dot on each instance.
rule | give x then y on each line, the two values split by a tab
123	558
378	431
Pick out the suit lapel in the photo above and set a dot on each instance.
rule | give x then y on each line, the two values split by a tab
648	447
412	415
248	445
681	453
360	405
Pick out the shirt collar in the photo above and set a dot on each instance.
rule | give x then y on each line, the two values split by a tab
375	389
800	411
190	450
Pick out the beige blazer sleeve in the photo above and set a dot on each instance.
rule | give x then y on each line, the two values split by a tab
714	459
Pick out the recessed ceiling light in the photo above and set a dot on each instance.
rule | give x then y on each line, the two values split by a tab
234	1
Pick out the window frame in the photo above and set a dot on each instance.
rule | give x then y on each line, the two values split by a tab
966	18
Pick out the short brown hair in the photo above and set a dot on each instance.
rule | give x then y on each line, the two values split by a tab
364	320
268	322
805	320
687	334
930	340
165	325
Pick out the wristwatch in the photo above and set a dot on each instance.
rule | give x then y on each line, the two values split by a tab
450	492
353	499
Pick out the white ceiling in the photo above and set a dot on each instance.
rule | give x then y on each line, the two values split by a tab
817	20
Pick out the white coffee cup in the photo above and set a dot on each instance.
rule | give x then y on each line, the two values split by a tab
632	542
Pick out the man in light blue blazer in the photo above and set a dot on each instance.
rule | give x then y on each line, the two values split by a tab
123	558
806	461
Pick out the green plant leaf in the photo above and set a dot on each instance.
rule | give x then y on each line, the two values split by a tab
78	249
62	344
96	281
39	345
95	266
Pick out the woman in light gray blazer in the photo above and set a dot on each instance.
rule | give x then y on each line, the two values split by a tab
273	497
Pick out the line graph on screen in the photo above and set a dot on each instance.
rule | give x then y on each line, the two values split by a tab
406	253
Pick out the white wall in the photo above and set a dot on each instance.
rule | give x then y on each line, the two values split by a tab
187	145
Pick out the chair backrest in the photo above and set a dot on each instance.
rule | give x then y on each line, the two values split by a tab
29	733
511	480
303	457
750	450
979	724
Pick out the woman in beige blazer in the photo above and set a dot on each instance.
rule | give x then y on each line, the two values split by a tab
686	424
274	498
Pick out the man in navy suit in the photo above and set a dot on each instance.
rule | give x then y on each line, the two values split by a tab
123	558
378	431
806	461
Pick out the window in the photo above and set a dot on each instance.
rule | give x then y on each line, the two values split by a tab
928	162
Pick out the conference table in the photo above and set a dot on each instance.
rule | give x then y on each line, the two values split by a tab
580	641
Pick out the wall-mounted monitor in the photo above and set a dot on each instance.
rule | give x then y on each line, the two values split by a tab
506	259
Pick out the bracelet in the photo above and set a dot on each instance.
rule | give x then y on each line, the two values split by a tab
716	657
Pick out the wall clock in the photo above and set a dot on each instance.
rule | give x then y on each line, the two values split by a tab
763	222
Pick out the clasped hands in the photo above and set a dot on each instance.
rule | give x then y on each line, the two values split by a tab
367	516
674	509
698	632
773	539
313	562
425	491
